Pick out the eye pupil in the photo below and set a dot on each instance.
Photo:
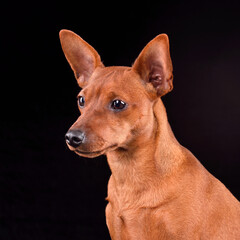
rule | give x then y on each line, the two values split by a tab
81	101
118	104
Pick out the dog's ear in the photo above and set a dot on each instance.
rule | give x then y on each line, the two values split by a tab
82	57
154	65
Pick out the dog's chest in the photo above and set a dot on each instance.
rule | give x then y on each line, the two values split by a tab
135	223
123	223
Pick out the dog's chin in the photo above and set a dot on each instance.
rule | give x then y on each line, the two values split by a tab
96	153
89	154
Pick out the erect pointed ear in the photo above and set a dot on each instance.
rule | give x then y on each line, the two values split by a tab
154	65
82	57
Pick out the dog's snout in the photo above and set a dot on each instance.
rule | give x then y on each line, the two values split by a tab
74	138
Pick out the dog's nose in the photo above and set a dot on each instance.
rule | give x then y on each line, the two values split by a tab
74	138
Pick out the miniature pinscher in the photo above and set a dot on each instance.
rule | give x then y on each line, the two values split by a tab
158	189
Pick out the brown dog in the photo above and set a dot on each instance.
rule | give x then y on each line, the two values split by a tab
158	189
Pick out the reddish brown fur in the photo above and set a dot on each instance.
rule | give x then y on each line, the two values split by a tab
158	189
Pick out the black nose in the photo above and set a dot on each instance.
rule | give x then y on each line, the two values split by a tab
74	138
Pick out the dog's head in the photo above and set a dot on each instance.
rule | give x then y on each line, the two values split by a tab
115	102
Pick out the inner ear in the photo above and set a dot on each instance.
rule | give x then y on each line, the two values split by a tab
154	65
160	82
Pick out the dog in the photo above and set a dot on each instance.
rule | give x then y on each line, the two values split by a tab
158	189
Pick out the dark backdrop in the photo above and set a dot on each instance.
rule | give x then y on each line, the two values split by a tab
48	192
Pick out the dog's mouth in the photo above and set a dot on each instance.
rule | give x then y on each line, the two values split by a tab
95	153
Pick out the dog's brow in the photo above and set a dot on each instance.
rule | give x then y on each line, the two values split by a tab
82	92
113	94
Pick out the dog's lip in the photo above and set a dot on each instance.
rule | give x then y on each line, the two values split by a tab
96	152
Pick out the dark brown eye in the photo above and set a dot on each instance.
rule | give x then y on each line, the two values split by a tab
81	101
118	105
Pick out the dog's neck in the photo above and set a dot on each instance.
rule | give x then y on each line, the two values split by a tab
155	154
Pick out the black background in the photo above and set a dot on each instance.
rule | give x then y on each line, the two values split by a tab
48	192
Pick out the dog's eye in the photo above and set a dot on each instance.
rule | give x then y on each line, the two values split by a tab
81	101
118	104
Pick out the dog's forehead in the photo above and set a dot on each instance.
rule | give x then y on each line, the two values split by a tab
114	79
108	75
